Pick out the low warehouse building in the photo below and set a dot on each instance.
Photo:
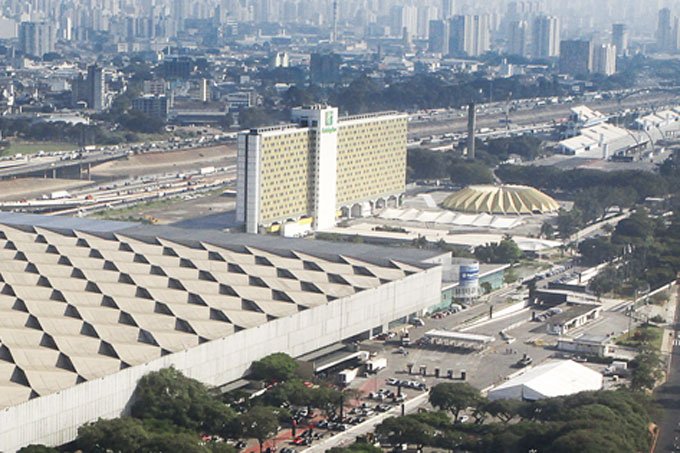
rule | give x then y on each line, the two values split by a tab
89	307
551	379
573	317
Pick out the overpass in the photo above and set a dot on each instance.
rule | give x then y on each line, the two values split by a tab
66	169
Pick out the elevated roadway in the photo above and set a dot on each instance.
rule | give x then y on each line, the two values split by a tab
419	129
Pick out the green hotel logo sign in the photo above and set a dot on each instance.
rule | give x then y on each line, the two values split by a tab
329	123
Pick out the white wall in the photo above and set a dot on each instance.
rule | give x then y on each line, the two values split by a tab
54	419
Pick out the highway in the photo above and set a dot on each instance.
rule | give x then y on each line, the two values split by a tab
47	164
127	191
455	122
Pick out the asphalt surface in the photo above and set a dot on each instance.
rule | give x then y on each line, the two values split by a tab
668	398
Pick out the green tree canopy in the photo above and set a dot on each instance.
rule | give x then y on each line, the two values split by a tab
275	367
505	251
118	435
260	422
597	250
405	430
37	449
169	395
454	397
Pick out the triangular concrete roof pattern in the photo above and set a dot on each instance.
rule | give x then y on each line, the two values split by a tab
79	305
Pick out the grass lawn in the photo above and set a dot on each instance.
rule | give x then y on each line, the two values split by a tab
640	335
32	148
136	212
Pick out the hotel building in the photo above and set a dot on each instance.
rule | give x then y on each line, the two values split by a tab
319	168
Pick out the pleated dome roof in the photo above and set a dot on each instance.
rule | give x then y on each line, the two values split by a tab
506	199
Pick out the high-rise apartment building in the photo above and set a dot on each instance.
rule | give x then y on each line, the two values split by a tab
90	89
469	35
153	106
518	40
36	38
604	59
448	9
325	67
620	38
403	17
576	57
438	39
546	37
96	87
425	15
318	166
664	31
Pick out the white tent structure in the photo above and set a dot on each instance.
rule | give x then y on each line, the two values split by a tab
556	378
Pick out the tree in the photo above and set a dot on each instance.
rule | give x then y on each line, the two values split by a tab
505	251
37	449
465	172
275	367
605	281
426	164
168	442
454	397
597	250
405	430
508	251
504	410
637	229
647	371
118	435
260	423
486	287
169	395
547	230
569	222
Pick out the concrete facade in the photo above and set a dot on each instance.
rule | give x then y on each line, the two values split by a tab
54	419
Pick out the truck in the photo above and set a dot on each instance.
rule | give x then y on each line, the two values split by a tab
376	364
59	195
346	376
207	170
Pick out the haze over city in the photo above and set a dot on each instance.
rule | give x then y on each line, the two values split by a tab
354	226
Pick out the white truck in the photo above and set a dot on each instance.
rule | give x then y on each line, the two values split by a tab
207	170
376	364
346	376
59	195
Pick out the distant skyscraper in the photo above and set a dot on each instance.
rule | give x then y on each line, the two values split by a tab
518	42
576	57
620	38
403	16
448	9
95	87
604	59
425	15
546	37
469	35
664	31
36	38
438	39
324	68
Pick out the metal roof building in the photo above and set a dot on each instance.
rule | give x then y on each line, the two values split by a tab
505	199
87	308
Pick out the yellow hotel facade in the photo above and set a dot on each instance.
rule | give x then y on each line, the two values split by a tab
320	167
